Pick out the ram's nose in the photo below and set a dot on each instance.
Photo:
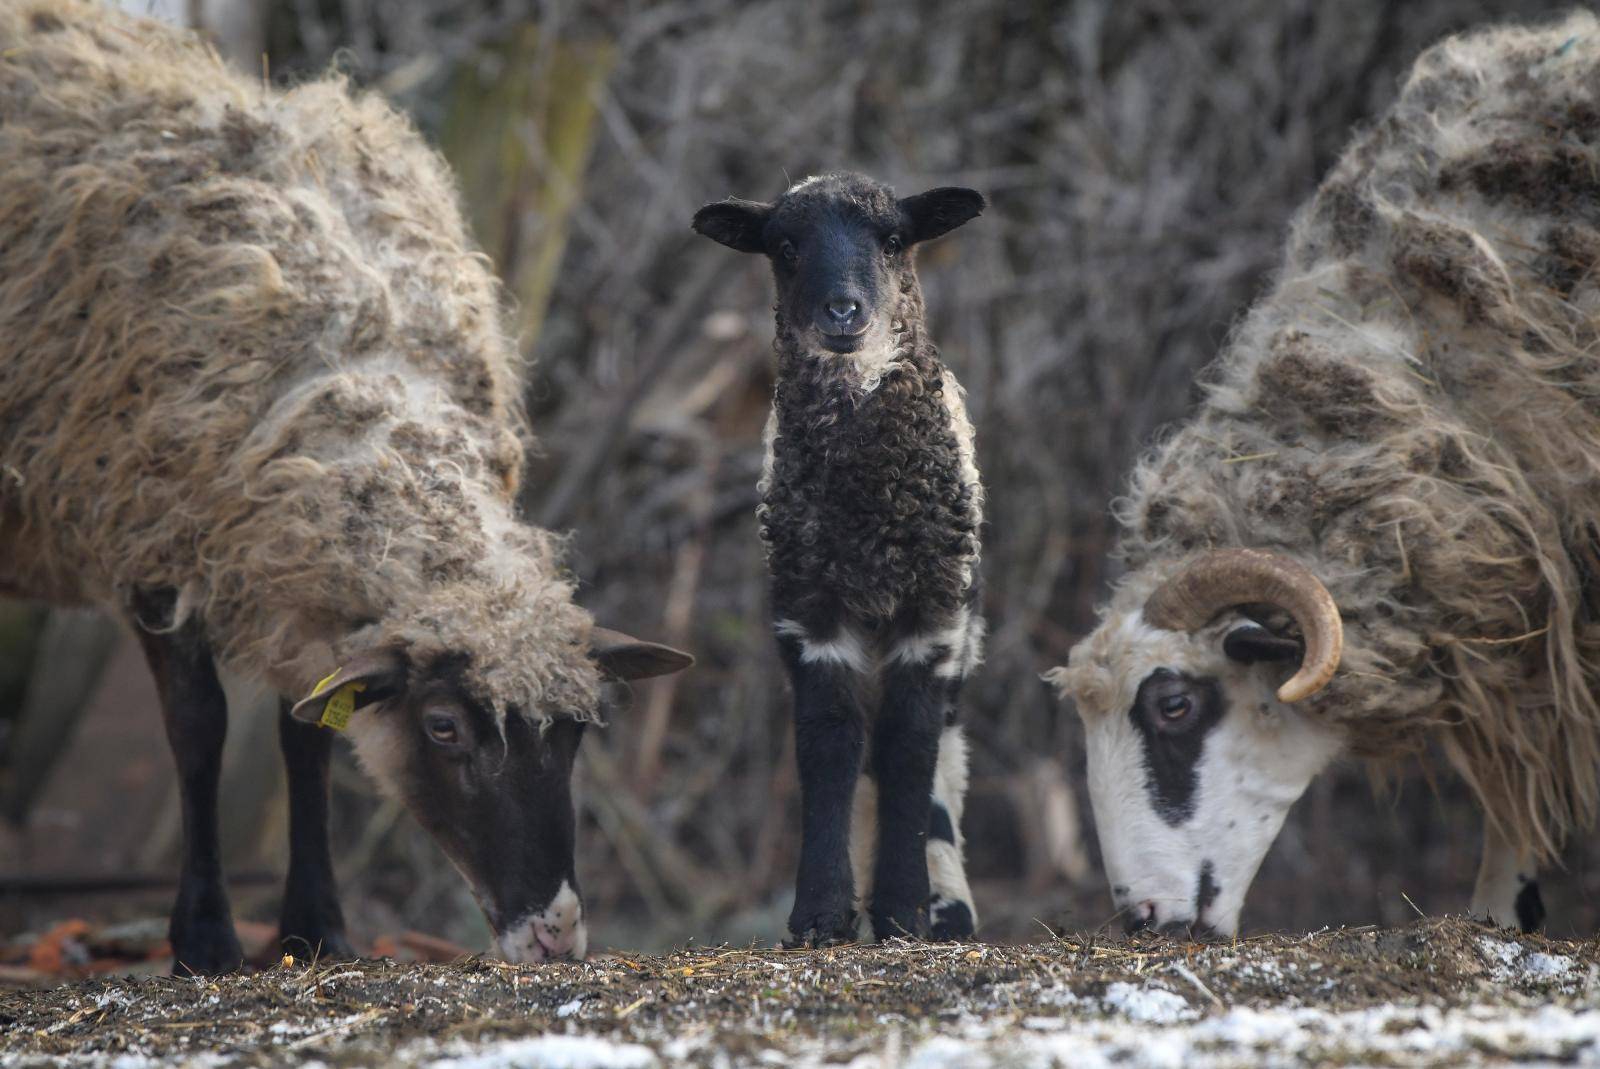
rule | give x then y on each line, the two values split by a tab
1139	917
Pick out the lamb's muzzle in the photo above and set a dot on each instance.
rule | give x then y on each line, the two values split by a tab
1225	578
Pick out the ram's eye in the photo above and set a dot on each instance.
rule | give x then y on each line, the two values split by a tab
789	253
1174	706
442	729
892	244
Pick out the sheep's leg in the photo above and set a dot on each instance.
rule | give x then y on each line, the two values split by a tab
311	923
1507	893
196	715
951	914
905	754
829	738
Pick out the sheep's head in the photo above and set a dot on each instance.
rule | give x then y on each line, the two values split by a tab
840	247
494	791
1196	749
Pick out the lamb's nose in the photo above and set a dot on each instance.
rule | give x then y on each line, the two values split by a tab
843	309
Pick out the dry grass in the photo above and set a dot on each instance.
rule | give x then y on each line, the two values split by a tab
753	1001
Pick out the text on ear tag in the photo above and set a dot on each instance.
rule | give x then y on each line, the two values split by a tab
336	711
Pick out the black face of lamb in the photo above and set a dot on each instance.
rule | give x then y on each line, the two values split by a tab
871	528
1173	714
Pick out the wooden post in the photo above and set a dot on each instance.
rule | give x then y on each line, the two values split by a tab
517	131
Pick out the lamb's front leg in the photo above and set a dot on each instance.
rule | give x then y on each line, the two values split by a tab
905	753
829	738
951	913
1507	892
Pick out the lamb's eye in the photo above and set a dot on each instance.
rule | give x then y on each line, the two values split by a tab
1174	707
789	253
442	729
892	244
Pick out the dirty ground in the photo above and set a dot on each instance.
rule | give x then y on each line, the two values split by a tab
1436	992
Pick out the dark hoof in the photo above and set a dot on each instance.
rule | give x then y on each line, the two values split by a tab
899	923
949	920
205	947
315	947
821	930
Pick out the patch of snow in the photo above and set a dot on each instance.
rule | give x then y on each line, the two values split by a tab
1149	1005
553	1052
569	1009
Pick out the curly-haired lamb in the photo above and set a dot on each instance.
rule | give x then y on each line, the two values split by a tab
870	511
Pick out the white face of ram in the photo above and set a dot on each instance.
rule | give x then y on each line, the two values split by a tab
1193	765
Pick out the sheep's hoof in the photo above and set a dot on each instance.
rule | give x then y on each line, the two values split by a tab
949	920
308	944
205	946
906	922
826	929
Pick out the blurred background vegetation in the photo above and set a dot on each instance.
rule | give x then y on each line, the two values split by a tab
1142	158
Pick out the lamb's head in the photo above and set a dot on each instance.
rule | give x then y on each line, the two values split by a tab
493	787
840	246
1196	747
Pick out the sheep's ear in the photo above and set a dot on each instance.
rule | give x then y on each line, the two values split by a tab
369	678
625	657
939	211
1249	643
735	223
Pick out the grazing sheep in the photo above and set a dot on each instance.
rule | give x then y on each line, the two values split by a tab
1403	435
256	394
870	512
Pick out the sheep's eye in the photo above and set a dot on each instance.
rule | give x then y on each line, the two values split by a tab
892	244
1174	707
789	252
442	729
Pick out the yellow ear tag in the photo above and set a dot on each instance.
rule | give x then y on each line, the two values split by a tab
336	711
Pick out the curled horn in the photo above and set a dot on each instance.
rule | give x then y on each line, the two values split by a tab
1223	578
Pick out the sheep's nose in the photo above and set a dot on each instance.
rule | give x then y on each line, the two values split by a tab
1139	918
843	309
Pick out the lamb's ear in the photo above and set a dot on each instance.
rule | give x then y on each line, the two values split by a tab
735	223
939	211
625	657
1249	643
369	678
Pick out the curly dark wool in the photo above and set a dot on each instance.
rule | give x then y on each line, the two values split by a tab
866	513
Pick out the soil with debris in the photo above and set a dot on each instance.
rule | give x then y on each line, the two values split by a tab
1438	992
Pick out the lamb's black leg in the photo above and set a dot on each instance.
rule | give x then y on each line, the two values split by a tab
829	737
311	924
905	753
196	715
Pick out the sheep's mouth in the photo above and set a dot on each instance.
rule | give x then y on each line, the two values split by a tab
843	343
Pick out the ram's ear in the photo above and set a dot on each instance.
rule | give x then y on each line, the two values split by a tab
1249	643
738	224
369	678
939	211
625	657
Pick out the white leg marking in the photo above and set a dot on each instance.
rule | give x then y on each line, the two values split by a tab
845	648
947	871
1502	874
556	931
957	648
